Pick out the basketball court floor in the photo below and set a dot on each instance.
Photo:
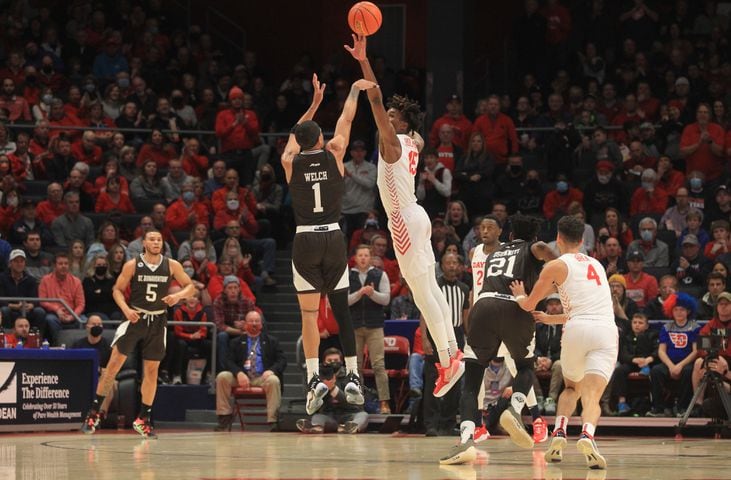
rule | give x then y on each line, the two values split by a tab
203	455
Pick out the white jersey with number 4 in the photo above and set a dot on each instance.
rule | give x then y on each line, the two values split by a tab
585	294
396	180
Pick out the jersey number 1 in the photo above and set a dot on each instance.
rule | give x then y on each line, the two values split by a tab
592	275
318	198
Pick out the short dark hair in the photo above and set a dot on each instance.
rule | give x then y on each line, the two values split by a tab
153	230
571	229
60	255
307	133
332	351
716	276
524	227
492	217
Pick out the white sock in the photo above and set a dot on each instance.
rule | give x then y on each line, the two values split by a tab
453	347
531	400
517	401
589	428
466	430
351	365
562	423
444	357
313	367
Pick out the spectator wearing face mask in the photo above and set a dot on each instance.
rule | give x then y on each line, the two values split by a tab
98	285
649	198
96	341
603	191
656	252
186	212
557	201
697	193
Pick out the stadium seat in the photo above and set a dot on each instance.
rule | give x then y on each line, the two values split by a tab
249	397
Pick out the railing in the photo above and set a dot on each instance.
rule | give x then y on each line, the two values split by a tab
39	300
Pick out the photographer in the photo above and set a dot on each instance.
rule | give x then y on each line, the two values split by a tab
719	362
336	414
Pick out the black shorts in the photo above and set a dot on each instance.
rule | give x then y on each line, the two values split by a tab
150	333
319	262
493	321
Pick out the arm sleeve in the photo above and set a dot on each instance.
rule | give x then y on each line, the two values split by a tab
445	186
382	295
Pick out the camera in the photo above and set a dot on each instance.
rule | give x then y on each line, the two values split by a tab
713	343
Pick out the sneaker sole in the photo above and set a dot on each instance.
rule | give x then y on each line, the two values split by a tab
515	429
314	400
594	459
481	438
554	453
353	395
446	388
542	439
467	456
142	432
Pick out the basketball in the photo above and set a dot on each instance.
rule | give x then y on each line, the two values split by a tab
364	18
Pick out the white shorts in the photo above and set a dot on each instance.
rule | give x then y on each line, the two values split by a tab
588	347
411	236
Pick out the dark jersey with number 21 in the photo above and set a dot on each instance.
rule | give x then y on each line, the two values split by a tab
512	261
317	188
149	286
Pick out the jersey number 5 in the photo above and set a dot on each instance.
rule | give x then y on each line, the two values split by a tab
151	294
592	275
318	198
413	161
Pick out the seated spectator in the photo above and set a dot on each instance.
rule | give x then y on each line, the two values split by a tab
113	198
458	218
367	232
637	352
61	284
649	198
498	391
186	212
16	282
9	210
116	256
588	239
57	117
667	285
707	304
416	369
194	164
158	221
147	186
128	163
336	412
616	227
229	309
53	207
638	160
225	267
26	165
77	259
221	196
108	235
434	184
676	351
557	201
191	341
254	359
20	331
691	268
720	208
269	195
59	164
156	150
77	183
199	232
96	341
111	169
613	261
216	179
134	249
327	326
548	354
655	252
241	262
603	191
204	268
693	221
721	243
38	262
98	285
173	182
85	149
721	321
674	217
359	195
72	225
668	178
640	286
26	222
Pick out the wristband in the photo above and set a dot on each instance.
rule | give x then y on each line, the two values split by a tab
294	128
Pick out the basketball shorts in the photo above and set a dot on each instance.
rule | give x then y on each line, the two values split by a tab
320	261
493	321
150	331
588	347
411	236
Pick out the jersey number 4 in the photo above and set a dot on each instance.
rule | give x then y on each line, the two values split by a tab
318	198
592	275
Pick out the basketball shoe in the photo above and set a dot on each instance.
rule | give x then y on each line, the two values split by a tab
587	446
554	454
354	390
91	423
316	390
304	425
481	434
540	430
460	453
512	423
144	428
449	376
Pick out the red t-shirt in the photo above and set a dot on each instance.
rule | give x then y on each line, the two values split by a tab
500	135
703	159
643	290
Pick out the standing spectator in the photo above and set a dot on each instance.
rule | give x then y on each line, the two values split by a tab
702	145
707	303
474	174
434	185
498	130
637	352
676	351
691	267
640	286
674	217
16	282
548	353
668	284
655	252
360	187
229	311
649	198
255	359
454	117
369	294
556	203
72	225
61	284
238	131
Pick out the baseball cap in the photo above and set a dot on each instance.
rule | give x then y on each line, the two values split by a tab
635	255
16	253
724	296
682	81
605	165
553	296
357	144
454	98
228	279
690	239
721	187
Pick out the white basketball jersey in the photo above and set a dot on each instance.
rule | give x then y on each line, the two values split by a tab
478	270
585	294
396	180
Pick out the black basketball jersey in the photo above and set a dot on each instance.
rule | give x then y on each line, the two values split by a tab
317	188
512	261
148	286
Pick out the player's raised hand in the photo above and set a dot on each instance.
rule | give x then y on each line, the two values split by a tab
358	50
517	288
364	84
318	90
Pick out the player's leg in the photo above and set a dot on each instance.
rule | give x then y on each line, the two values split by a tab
540	429
446	317
464	451
309	307
339	304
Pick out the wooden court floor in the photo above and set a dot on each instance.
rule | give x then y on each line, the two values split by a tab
203	455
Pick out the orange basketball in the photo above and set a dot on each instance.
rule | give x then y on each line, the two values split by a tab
364	18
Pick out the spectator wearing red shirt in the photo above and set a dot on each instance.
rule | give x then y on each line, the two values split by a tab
225	266
13	68
629	113
111	169
194	164
17	107
721	244
449	153
646	102
454	117
238	130
609	105
112	198
501	138
638	160
85	150
558	19
204	268
25	165
156	150
51	208
58	119
669	179
327	326
557	201
40	143
231	183
186	212
649	198
702	145
641	287
189	336
236	211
